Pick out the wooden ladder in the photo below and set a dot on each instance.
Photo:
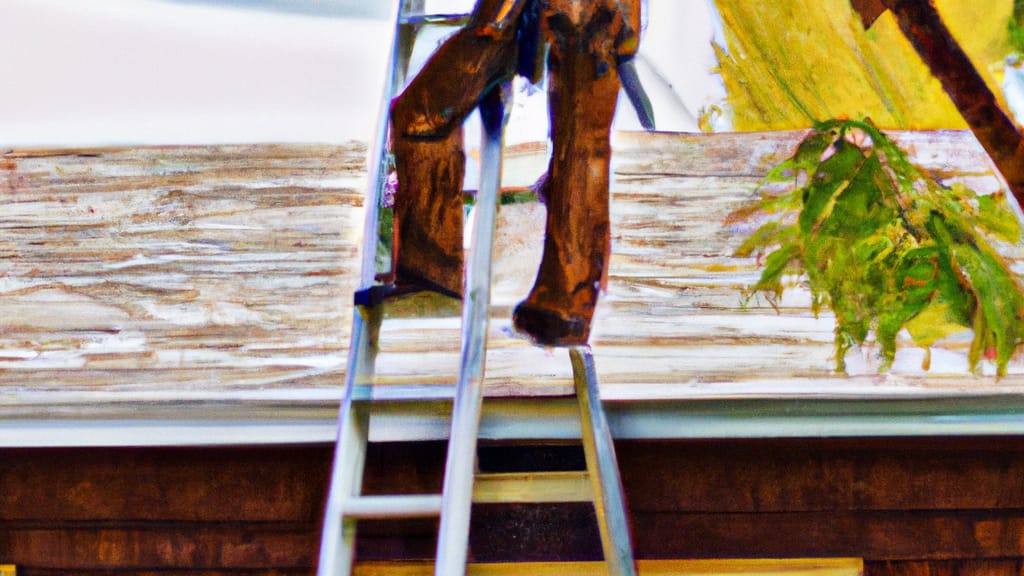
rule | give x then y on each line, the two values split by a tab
600	483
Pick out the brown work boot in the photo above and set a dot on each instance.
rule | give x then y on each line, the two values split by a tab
583	89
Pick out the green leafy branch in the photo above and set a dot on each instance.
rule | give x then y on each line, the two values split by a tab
1015	27
887	247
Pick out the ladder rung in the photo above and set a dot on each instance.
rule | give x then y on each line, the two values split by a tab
403	506
487	489
449	19
534	487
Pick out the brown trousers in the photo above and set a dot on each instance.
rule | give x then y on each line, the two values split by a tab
586	39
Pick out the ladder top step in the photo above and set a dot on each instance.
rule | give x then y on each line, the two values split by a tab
398	302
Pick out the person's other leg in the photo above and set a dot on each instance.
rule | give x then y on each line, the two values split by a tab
587	40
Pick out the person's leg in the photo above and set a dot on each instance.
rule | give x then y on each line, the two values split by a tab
426	121
587	40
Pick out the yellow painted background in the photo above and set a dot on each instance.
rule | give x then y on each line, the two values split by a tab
792	62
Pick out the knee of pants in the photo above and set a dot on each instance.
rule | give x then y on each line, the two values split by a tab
415	120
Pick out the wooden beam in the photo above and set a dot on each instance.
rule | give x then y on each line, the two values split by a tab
995	129
775	567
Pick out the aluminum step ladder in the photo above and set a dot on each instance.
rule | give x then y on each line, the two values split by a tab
600	483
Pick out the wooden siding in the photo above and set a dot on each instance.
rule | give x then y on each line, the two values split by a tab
196	282
906	506
207	511
184	281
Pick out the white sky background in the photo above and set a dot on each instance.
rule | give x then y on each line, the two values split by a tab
103	72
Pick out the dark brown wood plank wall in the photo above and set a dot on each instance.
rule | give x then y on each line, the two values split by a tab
946	568
909	507
133	511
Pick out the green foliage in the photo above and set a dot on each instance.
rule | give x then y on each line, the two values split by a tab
1015	28
886	247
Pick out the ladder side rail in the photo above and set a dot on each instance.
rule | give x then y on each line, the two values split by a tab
408	27
599	450
337	544
337	538
377	168
453	536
